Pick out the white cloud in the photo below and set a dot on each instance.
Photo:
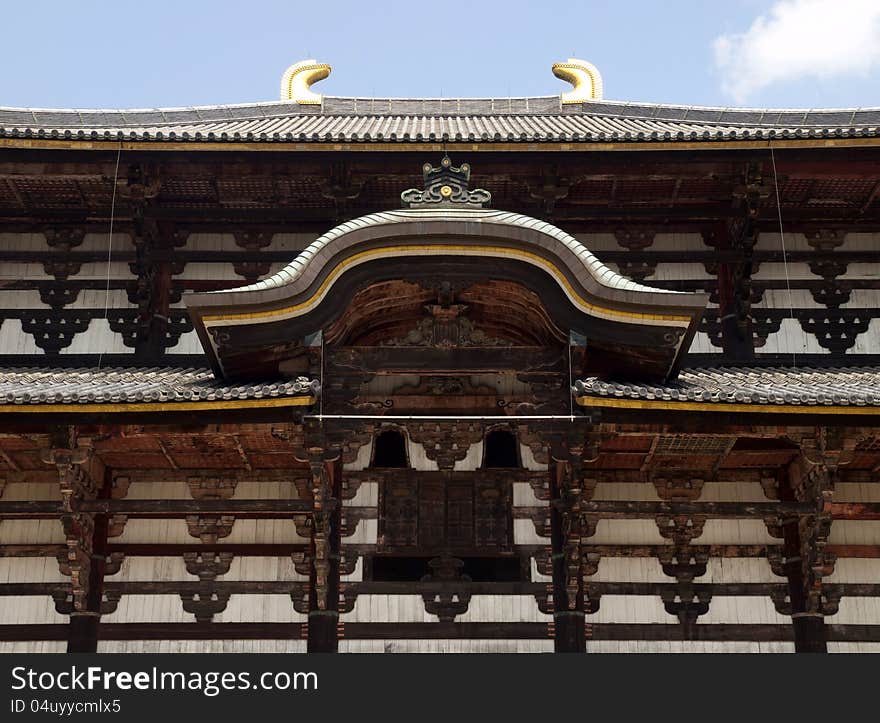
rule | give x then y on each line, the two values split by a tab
801	39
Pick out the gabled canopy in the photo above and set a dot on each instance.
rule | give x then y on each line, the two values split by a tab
445	235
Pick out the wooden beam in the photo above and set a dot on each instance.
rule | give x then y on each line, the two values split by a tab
720	632
622	509
160	508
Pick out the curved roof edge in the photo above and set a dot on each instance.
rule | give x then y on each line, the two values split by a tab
601	273
241	329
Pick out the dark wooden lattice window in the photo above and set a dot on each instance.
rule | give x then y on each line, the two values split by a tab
446	514
401	518
460	514
432	514
501	450
491	514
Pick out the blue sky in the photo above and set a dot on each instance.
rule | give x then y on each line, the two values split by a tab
781	53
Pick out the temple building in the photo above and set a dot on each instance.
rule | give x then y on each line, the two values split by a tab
344	374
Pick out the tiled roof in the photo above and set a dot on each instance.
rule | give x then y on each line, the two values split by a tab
744	385
115	385
453	119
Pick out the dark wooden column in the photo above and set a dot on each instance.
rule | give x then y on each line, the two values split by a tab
807	618
82	478
325	552
569	635
734	286
85	624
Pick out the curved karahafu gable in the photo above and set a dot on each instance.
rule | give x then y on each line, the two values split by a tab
446	235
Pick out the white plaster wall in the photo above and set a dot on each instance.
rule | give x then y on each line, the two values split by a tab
503	609
848	532
14	340
528	459
869	342
524	496
736	532
791	338
472	461
264	531
855	569
702	345
388	609
149	569
857	611
32	492
857	492
29	610
188	343
149	609
739	569
627	532
629	569
262	568
98	338
141	531
366	496
631	609
30	569
745	609
31	532
367	533
362	461
260	608
524	534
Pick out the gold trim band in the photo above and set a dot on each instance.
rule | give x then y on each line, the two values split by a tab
723	406
158	406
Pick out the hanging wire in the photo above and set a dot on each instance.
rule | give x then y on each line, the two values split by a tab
784	256
570	383
321	398
110	246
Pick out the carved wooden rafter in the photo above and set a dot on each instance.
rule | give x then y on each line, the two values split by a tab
204	605
341	186
548	188
449	602
832	293
445	443
207	566
254	267
636	240
62	240
824	450
575	452
210	528
76	483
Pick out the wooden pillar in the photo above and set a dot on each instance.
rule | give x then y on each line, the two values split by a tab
325	552
808	625
569	627
84	628
734	284
82	477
